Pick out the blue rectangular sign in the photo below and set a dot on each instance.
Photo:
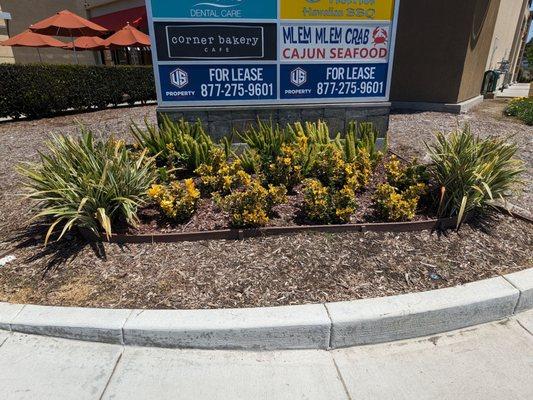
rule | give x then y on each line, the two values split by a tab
186	83
215	9
316	81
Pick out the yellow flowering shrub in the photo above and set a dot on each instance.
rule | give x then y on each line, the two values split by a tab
332	171
222	176
402	176
328	205
286	169
178	200
395	206
251	206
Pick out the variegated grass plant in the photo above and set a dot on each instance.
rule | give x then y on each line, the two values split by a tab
82	182
472	171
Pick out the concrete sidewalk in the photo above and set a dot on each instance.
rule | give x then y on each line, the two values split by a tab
493	361
516	90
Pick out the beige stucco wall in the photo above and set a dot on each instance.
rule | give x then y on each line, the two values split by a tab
504	32
6	54
27	12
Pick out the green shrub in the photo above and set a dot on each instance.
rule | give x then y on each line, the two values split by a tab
178	200
251	206
472	171
521	108
38	90
88	184
180	144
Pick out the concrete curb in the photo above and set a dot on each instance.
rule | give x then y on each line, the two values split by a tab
315	326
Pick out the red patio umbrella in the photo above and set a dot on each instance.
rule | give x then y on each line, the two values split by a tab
86	43
66	23
128	37
32	39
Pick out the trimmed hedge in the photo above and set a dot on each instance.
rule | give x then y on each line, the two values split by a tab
38	90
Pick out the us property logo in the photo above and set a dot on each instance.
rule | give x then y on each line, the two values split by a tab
179	78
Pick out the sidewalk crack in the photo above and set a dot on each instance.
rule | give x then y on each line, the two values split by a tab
523	327
112	373
330	339
519	293
339	374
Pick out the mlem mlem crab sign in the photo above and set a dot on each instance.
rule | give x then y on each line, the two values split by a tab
243	52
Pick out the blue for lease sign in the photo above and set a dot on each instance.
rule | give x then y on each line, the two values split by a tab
242	52
323	81
218	82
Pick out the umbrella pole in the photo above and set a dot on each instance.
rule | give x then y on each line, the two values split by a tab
40	59
74	48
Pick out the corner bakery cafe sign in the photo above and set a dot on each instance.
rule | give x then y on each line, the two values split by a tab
242	52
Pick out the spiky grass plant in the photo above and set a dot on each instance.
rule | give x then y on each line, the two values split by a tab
471	171
361	135
87	183
178	144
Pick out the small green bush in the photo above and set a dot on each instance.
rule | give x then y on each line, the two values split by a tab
88	184
521	108
471	171
38	90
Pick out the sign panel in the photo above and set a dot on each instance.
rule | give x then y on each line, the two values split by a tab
218	82
323	81
242	52
337	9
334	42
215	9
215	41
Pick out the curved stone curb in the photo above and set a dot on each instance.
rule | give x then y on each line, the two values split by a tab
315	326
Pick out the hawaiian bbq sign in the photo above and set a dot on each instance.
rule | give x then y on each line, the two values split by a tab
242	52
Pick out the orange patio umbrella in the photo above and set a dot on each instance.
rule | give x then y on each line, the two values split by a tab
128	37
32	39
86	43
66	23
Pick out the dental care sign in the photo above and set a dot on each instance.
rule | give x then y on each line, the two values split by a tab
242	52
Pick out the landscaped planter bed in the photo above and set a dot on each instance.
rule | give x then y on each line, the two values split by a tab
296	268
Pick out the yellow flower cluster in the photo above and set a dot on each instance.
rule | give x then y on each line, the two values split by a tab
403	175
251	206
222	176
333	171
287	168
396	206
178	200
328	205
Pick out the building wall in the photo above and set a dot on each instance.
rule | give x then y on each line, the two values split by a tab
27	12
6	54
481	32
441	49
96	8
504	32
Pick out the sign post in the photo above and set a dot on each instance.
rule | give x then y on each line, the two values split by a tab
277	55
